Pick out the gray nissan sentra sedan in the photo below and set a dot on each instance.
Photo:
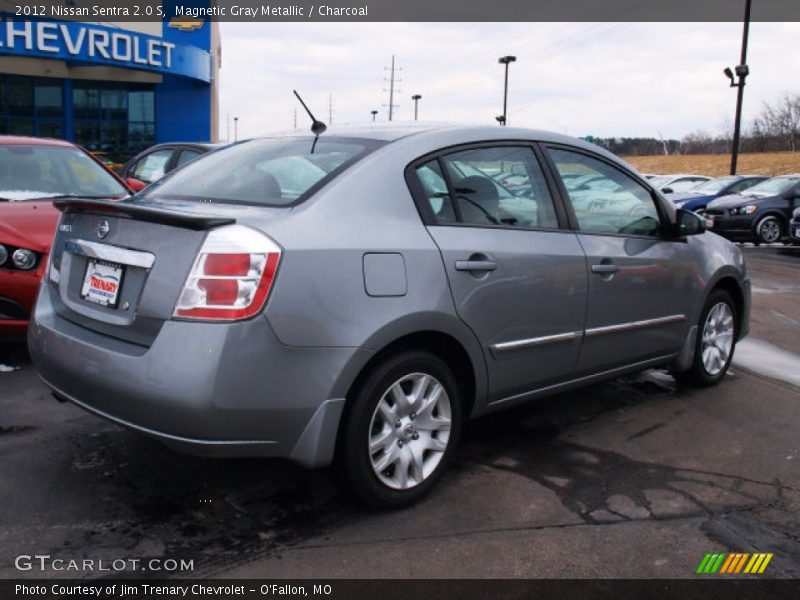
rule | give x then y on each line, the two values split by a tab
353	299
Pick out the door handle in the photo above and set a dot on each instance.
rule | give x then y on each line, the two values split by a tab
475	265
605	269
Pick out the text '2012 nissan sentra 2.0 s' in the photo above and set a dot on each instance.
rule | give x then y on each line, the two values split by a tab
353	300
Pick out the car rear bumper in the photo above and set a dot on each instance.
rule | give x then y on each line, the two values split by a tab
794	231
204	388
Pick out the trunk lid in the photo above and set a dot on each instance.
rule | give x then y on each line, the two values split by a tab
119	267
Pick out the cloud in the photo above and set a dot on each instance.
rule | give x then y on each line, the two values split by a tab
605	79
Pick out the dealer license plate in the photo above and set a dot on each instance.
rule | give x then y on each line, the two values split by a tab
102	282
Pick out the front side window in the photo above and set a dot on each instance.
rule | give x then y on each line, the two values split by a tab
270	172
502	185
611	202
153	166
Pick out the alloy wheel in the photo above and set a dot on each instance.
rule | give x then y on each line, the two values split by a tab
409	431
717	341
770	230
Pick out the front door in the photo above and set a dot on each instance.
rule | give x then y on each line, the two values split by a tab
641	282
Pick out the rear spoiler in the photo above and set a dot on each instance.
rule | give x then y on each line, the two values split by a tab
141	212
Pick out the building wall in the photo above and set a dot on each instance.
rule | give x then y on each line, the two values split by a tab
185	106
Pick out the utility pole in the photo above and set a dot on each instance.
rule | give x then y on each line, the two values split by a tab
742	71
416	98
330	109
235	129
392	81
228	127
295	118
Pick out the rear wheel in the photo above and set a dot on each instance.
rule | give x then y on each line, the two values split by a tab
715	342
400	432
769	230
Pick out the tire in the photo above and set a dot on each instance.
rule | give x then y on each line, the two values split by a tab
707	370
416	452
769	230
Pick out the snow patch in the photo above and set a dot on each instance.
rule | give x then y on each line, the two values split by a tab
19	195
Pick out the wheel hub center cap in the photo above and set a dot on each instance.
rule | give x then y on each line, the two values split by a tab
409	431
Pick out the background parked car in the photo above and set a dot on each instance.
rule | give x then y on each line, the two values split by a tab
32	172
675	184
761	214
155	162
699	196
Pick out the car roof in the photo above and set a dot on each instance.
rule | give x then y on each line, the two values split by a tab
205	145
23	140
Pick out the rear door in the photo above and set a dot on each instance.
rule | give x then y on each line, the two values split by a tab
641	283
517	276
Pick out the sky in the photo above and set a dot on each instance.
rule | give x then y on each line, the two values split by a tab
601	79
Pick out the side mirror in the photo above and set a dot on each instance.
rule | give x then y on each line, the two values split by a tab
135	184
667	190
688	223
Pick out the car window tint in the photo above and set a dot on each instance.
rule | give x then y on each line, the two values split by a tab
187	156
502	185
610	201
432	180
153	166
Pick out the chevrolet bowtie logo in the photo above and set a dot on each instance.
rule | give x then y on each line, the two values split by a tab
186	23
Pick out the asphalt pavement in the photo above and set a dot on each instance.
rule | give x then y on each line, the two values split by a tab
635	477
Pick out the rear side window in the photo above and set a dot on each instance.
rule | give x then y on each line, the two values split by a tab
432	180
604	199
269	172
187	156
492	186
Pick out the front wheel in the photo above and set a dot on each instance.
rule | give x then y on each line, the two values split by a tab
769	230
399	433
715	341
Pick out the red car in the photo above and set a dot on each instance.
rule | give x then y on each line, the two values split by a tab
33	172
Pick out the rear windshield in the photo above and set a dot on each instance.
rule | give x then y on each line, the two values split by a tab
269	172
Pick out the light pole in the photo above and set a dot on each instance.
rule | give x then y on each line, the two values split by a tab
374	113
235	129
416	98
742	71
506	60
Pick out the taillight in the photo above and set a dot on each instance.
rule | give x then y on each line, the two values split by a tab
231	276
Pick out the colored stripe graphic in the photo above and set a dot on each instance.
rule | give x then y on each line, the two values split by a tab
734	563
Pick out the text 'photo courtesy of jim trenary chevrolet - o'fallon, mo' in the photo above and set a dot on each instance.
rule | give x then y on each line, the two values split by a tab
383	299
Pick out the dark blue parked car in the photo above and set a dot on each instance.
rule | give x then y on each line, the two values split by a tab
698	197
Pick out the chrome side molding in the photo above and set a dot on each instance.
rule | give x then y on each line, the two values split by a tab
594	331
634	325
537	341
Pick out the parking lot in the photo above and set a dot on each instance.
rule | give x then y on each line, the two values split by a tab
636	477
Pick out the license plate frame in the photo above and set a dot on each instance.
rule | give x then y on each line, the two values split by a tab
102	282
